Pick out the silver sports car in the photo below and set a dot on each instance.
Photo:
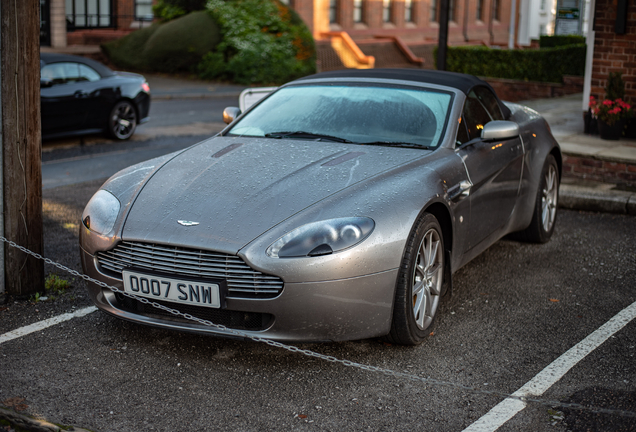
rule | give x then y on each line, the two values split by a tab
337	207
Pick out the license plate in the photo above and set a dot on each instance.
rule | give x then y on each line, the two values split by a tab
160	287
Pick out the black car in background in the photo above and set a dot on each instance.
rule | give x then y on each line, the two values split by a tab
82	96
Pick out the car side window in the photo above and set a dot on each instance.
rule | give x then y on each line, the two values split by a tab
475	116
489	101
68	72
87	73
462	133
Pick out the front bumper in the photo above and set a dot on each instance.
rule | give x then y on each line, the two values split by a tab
336	310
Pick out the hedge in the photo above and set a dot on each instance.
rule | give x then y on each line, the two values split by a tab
126	52
264	42
178	45
545	65
562	40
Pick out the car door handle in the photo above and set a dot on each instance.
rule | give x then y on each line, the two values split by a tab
80	94
460	191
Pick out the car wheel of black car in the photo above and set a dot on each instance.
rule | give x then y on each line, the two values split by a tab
545	207
122	120
419	284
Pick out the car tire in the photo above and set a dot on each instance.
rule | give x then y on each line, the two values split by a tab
419	284
122	121
545	207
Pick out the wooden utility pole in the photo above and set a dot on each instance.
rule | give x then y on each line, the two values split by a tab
21	144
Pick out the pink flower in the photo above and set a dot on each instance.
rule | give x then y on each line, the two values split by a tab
608	102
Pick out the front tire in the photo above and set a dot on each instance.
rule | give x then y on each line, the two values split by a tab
419	283
122	120
545	208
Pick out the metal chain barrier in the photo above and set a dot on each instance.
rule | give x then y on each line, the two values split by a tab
331	359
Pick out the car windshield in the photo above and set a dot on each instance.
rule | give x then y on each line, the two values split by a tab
363	114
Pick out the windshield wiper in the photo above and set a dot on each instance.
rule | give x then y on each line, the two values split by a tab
301	134
396	144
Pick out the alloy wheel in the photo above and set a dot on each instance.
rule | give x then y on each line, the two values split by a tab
549	198
427	279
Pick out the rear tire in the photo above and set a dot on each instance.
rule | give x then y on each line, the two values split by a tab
419	283
545	208
122	120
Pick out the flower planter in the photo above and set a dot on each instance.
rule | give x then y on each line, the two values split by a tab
590	124
610	132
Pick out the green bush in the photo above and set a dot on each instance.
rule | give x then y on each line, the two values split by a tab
126	52
615	88
263	42
179	45
545	65
562	40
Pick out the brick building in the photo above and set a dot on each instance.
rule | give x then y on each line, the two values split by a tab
70	22
412	20
613	38
85	22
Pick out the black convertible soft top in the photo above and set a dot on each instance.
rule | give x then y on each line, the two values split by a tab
461	82
104	71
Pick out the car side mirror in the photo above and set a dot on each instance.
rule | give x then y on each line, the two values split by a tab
499	129
230	114
44	83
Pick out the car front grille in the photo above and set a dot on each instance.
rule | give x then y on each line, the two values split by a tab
231	319
242	280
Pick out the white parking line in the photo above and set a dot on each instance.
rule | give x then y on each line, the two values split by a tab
508	408
41	325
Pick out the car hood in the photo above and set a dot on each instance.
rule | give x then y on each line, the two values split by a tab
228	191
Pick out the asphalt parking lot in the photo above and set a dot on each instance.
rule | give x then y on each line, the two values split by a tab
515	310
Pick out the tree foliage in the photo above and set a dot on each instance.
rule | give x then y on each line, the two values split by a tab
263	42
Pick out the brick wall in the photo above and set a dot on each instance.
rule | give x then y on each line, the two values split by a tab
125	11
613	52
514	90
599	170
305	9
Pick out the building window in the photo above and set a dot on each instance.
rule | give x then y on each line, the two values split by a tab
451	10
333	11
542	5
408	11
480	10
88	14
143	10
495	9
386	10
433	12
357	11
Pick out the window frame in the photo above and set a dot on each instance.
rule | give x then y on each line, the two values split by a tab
408	11
358	8
82	14
137	4
387	11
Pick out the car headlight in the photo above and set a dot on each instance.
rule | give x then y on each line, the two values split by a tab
322	238
101	212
